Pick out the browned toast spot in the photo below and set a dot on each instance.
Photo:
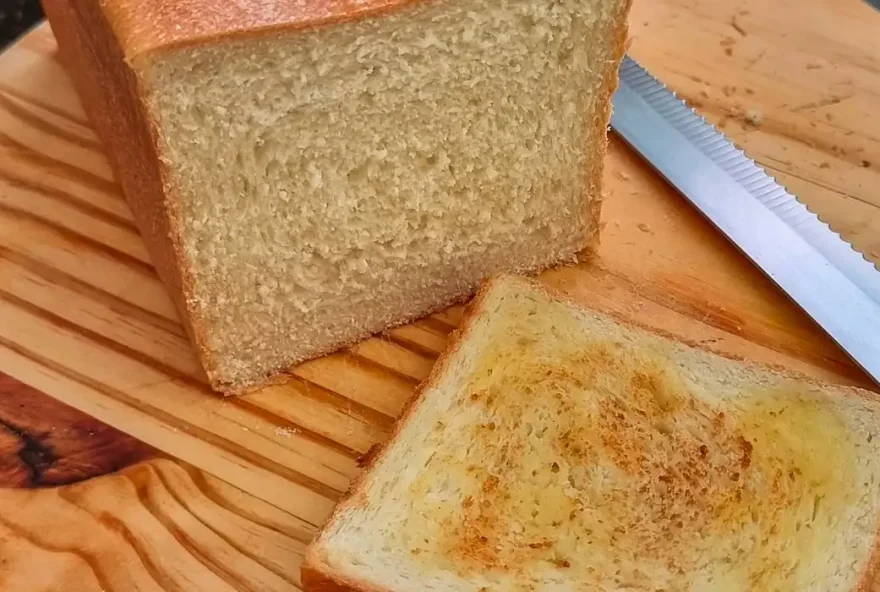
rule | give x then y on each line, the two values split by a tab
599	445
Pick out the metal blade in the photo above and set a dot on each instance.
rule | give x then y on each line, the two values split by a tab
833	283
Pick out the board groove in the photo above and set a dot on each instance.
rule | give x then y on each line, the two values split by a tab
78	117
176	423
53	165
85	140
187	544
14	180
100	340
238	546
44	544
141	266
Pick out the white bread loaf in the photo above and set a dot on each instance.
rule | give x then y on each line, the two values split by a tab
557	449
306	173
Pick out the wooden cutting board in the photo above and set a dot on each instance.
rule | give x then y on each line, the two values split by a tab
120	470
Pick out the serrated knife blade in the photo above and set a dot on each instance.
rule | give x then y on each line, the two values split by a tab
824	275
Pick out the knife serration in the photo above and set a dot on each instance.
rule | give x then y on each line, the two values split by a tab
821	272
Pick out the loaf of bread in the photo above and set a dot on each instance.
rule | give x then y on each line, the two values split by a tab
306	173
556	448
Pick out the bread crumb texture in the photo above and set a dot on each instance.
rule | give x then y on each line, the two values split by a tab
332	181
575	454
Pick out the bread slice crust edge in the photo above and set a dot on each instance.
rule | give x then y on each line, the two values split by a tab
317	576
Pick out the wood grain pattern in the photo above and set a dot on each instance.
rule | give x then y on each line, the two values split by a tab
121	515
156	526
84	318
45	443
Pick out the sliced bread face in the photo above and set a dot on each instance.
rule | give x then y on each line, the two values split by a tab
557	449
329	182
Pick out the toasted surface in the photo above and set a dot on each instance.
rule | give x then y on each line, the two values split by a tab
555	448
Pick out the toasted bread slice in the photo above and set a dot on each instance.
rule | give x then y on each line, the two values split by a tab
555	448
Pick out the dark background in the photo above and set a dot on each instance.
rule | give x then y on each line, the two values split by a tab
16	17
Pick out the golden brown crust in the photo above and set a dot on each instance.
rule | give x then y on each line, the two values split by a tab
111	94
144	26
777	369
315	580
110	97
869	576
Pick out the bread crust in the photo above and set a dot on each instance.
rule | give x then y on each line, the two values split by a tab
148	26
101	41
872	568
319	577
111	93
97	45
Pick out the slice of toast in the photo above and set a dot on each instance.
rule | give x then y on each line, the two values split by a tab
555	448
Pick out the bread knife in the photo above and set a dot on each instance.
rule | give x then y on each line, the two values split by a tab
825	276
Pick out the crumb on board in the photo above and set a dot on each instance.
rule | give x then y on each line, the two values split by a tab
866	164
824	165
813	65
728	90
643	227
749	91
734	22
754	117
829	117
727	41
728	51
286	432
623	176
